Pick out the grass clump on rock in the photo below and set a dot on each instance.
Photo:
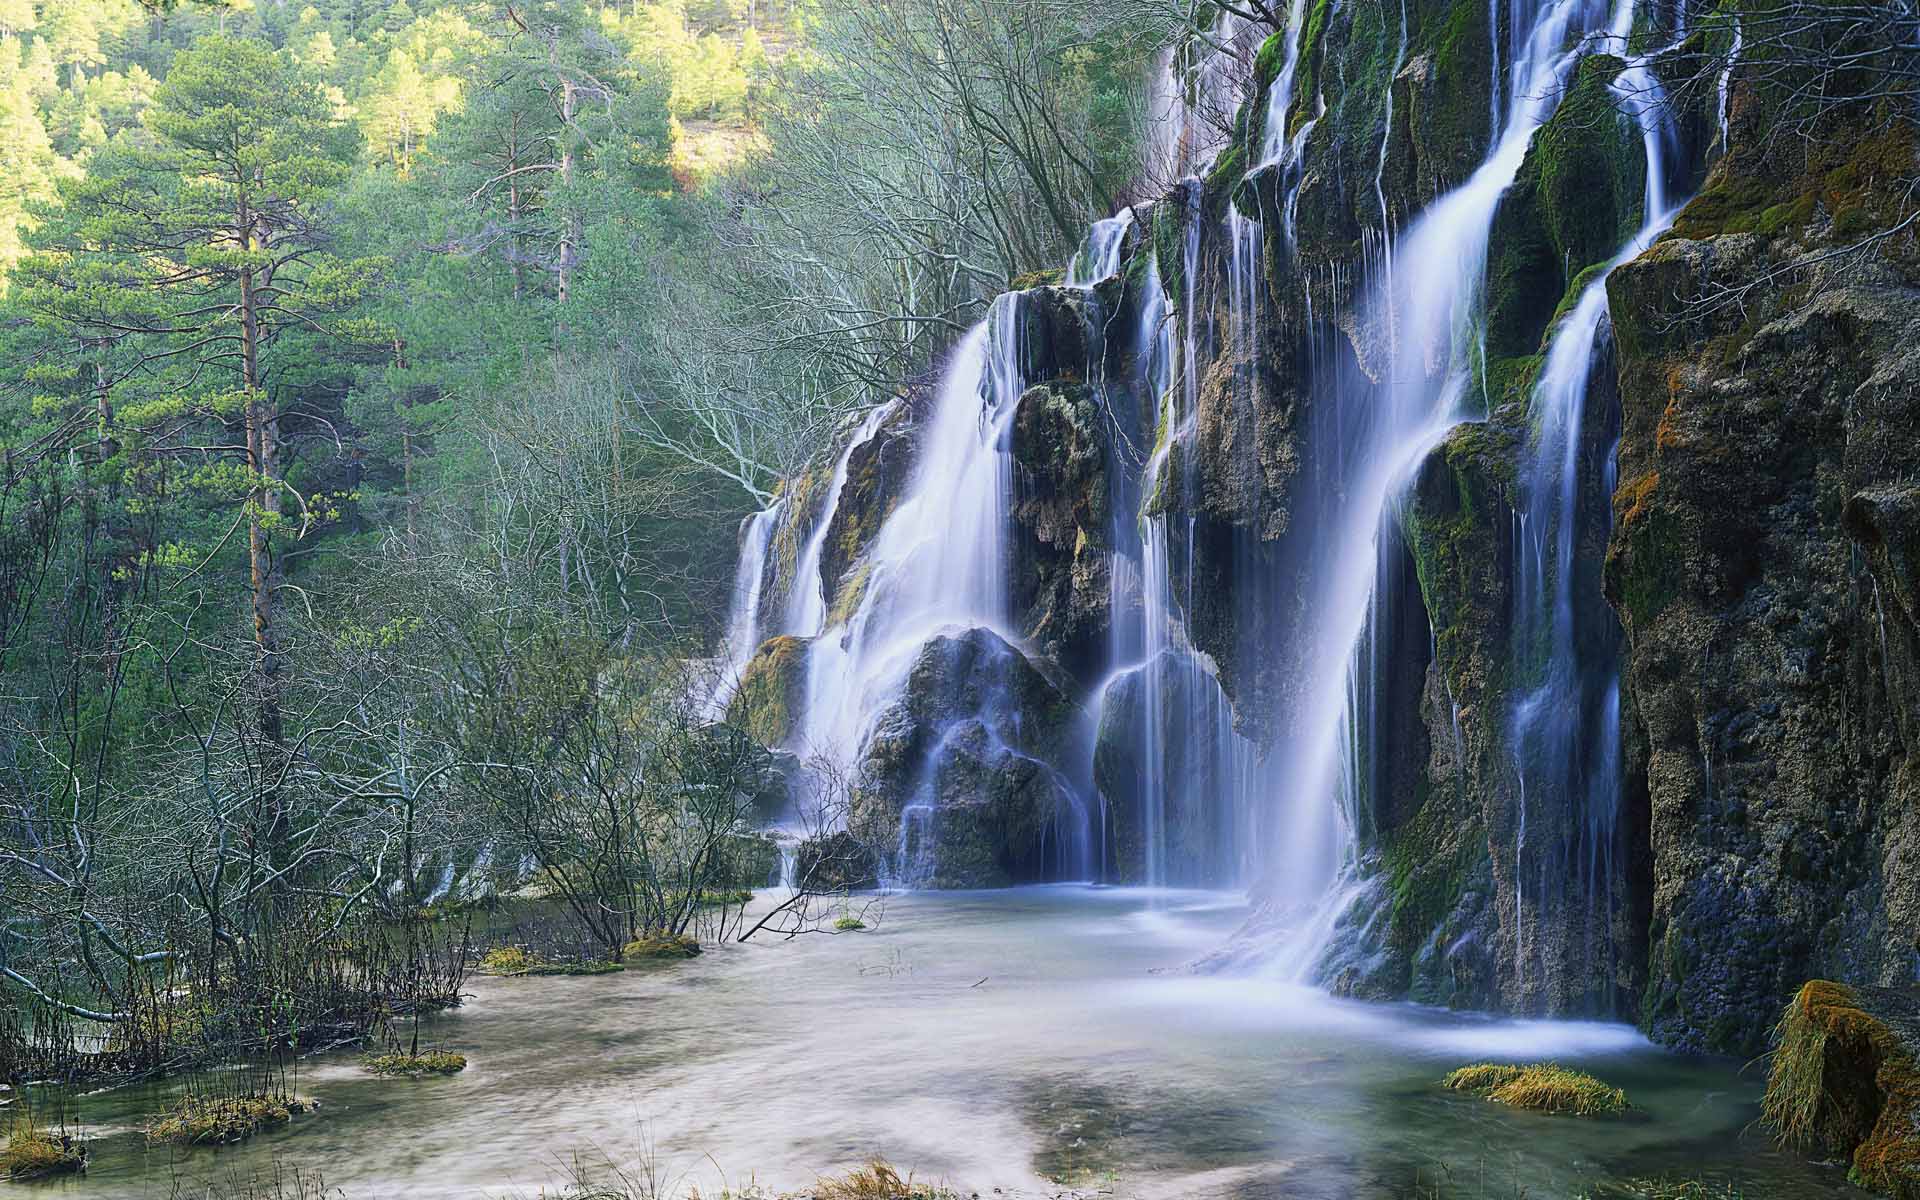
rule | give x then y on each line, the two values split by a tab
878	1181
224	1120
659	947
513	961
1541	1087
33	1153
1845	1082
424	1062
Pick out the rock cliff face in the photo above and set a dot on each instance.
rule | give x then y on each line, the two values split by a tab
1762	563
1722	597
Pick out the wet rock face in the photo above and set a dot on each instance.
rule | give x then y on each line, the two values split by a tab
877	475
1175	695
1761	562
965	777
1062	522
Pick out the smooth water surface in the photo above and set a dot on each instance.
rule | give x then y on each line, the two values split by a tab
999	1039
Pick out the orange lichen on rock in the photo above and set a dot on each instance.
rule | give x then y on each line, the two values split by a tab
1633	497
1845	1082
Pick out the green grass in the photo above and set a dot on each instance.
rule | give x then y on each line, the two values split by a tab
657	947
32	1153
427	1062
1541	1087
223	1120
849	924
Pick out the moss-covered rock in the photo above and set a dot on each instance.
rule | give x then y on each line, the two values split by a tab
769	701
1770	420
1574	203
1845	1082
878	470
1061	526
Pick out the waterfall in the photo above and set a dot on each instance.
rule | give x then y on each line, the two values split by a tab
1274	143
1099	256
1565	727
807	599
743	620
1382	424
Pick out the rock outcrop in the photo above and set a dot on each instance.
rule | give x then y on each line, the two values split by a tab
970	771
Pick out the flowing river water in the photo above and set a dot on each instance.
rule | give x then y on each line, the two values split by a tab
1031	1040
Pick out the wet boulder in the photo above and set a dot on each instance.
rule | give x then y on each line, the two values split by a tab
966	778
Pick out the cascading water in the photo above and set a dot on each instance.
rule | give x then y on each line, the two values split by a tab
1384	423
1099	256
743	622
807	599
1565	726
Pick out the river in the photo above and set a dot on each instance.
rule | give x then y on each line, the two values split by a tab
1019	1039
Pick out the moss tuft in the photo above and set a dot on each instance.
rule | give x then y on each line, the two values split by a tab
32	1153
513	961
1540	1087
849	924
878	1181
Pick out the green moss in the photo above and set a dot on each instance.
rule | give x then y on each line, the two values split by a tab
514	961
1428	867
772	685
1046	277
224	1120
849	924
1271	59
1307	73
1849	175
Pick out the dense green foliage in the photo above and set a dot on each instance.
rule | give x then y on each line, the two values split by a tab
381	383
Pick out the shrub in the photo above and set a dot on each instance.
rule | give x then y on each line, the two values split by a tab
506	960
1542	1087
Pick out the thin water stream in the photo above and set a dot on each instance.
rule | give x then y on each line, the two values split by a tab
996	1040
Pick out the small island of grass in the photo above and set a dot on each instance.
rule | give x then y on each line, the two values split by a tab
224	1120
1541	1087
423	1062
34	1153
660	947
513	961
